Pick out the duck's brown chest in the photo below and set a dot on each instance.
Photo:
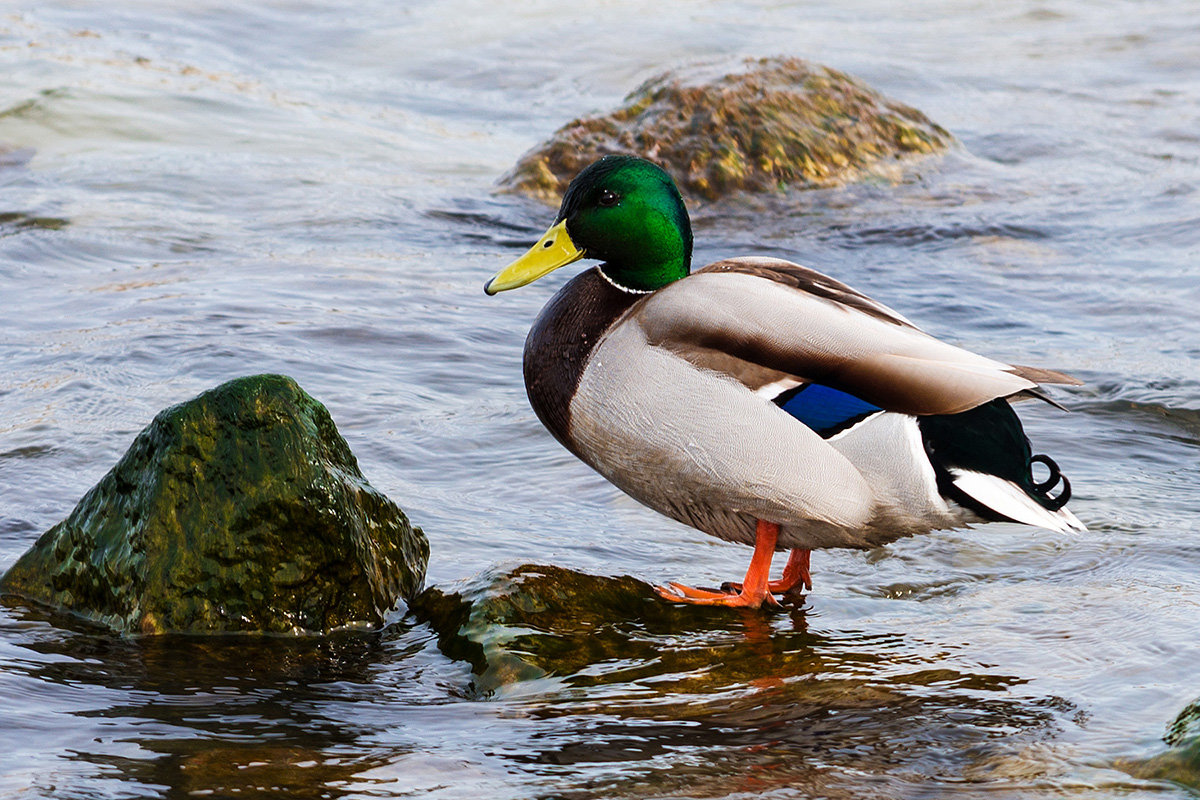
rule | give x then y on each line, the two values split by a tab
561	342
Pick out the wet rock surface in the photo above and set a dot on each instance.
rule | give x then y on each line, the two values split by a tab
533	620
242	510
1179	764
773	123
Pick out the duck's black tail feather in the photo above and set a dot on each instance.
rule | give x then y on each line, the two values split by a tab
983	461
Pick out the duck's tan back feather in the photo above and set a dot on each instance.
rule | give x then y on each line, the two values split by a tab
791	320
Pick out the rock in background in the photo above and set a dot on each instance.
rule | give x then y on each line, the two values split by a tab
776	123
240	510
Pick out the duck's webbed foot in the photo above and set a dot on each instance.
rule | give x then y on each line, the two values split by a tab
753	591
679	593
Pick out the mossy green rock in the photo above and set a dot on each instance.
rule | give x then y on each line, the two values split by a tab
1181	763
774	123
532	621
240	510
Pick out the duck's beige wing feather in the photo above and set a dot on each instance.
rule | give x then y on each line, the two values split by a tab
789	319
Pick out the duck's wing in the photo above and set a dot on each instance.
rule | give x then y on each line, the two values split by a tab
763	320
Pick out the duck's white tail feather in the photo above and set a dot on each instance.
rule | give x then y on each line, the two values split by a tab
1007	498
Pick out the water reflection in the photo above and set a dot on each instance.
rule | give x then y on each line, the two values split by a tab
645	697
594	688
207	715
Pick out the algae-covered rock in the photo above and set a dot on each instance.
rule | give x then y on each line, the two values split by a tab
533	620
240	510
776	122
1179	764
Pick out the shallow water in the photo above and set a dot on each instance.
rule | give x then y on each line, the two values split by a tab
189	194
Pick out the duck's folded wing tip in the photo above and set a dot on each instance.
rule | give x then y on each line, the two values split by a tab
1042	375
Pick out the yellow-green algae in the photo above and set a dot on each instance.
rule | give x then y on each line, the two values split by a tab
242	509
777	122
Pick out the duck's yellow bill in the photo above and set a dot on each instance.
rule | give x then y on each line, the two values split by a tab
555	249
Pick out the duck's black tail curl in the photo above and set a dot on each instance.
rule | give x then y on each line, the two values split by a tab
1040	491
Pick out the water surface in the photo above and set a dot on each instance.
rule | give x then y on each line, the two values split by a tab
192	193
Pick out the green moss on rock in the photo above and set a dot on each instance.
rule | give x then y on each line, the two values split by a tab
532	621
240	510
1181	762
1179	765
778	122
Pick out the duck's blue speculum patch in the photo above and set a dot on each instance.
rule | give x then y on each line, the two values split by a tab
827	411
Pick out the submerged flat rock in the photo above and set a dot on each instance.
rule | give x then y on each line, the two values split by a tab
532	621
521	624
240	510
692	676
535	621
774	123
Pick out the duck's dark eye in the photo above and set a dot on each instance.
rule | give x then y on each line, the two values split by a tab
608	198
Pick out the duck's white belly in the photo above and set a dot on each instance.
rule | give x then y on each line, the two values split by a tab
702	448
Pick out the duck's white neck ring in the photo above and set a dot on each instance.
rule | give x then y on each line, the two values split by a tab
616	285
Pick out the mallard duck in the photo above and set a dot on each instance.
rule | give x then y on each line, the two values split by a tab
760	401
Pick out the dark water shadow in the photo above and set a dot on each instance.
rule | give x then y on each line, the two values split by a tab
223	716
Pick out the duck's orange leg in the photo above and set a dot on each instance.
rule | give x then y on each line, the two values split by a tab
754	590
796	571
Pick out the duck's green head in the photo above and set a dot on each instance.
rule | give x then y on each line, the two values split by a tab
625	211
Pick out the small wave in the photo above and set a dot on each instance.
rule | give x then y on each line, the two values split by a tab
1145	402
927	234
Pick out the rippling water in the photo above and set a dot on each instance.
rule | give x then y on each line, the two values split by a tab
194	192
